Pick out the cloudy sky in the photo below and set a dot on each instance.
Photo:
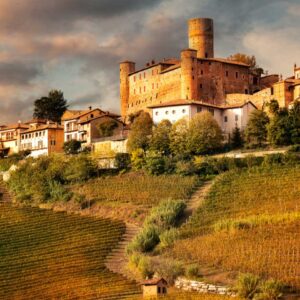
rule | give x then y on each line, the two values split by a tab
76	45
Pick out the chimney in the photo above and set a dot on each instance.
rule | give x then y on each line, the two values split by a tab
90	108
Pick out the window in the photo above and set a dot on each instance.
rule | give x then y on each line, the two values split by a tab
199	109
173	111
144	88
152	86
236	117
156	113
183	111
164	290
212	111
201	85
227	73
166	112
206	55
92	116
140	90
201	72
158	290
144	74
272	91
236	74
134	91
225	119
209	63
246	91
140	76
193	77
134	78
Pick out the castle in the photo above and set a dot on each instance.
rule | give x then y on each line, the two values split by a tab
200	77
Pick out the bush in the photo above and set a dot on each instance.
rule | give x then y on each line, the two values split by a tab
247	286
294	148
270	290
168	237
79	168
122	161
273	159
145	241
58	192
192	272
169	269
107	128
154	163
138	159
185	168
72	147
144	266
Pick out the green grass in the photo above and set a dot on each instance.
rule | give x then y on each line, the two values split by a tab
46	255
248	223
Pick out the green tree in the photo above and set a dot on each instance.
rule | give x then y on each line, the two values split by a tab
279	128
51	107
204	134
236	140
140	133
256	130
160	140
107	128
178	138
273	106
294	116
72	147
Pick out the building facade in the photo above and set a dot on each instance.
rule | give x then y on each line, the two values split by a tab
197	75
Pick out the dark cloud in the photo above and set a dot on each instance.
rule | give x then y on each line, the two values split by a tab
17	73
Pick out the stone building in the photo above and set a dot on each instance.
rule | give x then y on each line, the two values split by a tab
153	288
196	76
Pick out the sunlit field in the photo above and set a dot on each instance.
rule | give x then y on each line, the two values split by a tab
46	255
250	222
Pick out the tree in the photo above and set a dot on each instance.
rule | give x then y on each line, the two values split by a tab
178	138
236	138
204	134
160	140
294	116
273	106
256	130
107	128
279	129
249	60
51	107
72	147
141	130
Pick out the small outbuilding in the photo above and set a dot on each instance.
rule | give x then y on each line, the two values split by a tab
154	287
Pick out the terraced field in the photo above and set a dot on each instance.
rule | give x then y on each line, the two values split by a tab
250	222
46	255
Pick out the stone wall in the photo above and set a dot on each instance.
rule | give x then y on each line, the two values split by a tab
202	287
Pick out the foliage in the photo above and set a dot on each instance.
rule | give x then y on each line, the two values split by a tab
50	107
122	161
178	139
249	60
160	140
236	140
269	290
192	271
273	107
154	163
256	130
279	129
247	286
141	130
107	128
204	134
185	168
168	237
138	160
294	116
72	147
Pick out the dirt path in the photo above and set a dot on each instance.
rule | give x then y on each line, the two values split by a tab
117	260
196	200
4	194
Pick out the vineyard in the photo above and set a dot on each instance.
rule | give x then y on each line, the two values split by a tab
250	222
46	255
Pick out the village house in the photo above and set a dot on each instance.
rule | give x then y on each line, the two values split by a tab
227	116
83	125
42	138
9	138
153	288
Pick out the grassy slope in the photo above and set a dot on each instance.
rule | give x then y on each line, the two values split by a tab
250	222
45	255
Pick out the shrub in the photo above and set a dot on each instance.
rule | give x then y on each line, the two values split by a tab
169	269
247	286
138	159
185	168
269	290
273	159
122	161
58	192
154	163
79	168
72	147
145	241
168	237
192	271
294	148
144	266
107	128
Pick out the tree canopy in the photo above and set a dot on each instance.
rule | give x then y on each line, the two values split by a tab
50	107
160	140
249	60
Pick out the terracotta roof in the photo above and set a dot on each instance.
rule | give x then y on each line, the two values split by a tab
108	114
166	62
36	120
226	61
171	68
14	126
153	281
43	127
73	114
195	102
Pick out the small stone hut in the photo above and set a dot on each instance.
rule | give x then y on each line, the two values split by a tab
154	287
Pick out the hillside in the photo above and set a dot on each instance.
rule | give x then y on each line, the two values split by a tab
249	222
46	255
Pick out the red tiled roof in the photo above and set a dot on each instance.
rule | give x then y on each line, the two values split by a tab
153	281
43	127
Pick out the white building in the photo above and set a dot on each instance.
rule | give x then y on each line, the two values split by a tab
228	117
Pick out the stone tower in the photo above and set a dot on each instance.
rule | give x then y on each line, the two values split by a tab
201	37
189	78
126	68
